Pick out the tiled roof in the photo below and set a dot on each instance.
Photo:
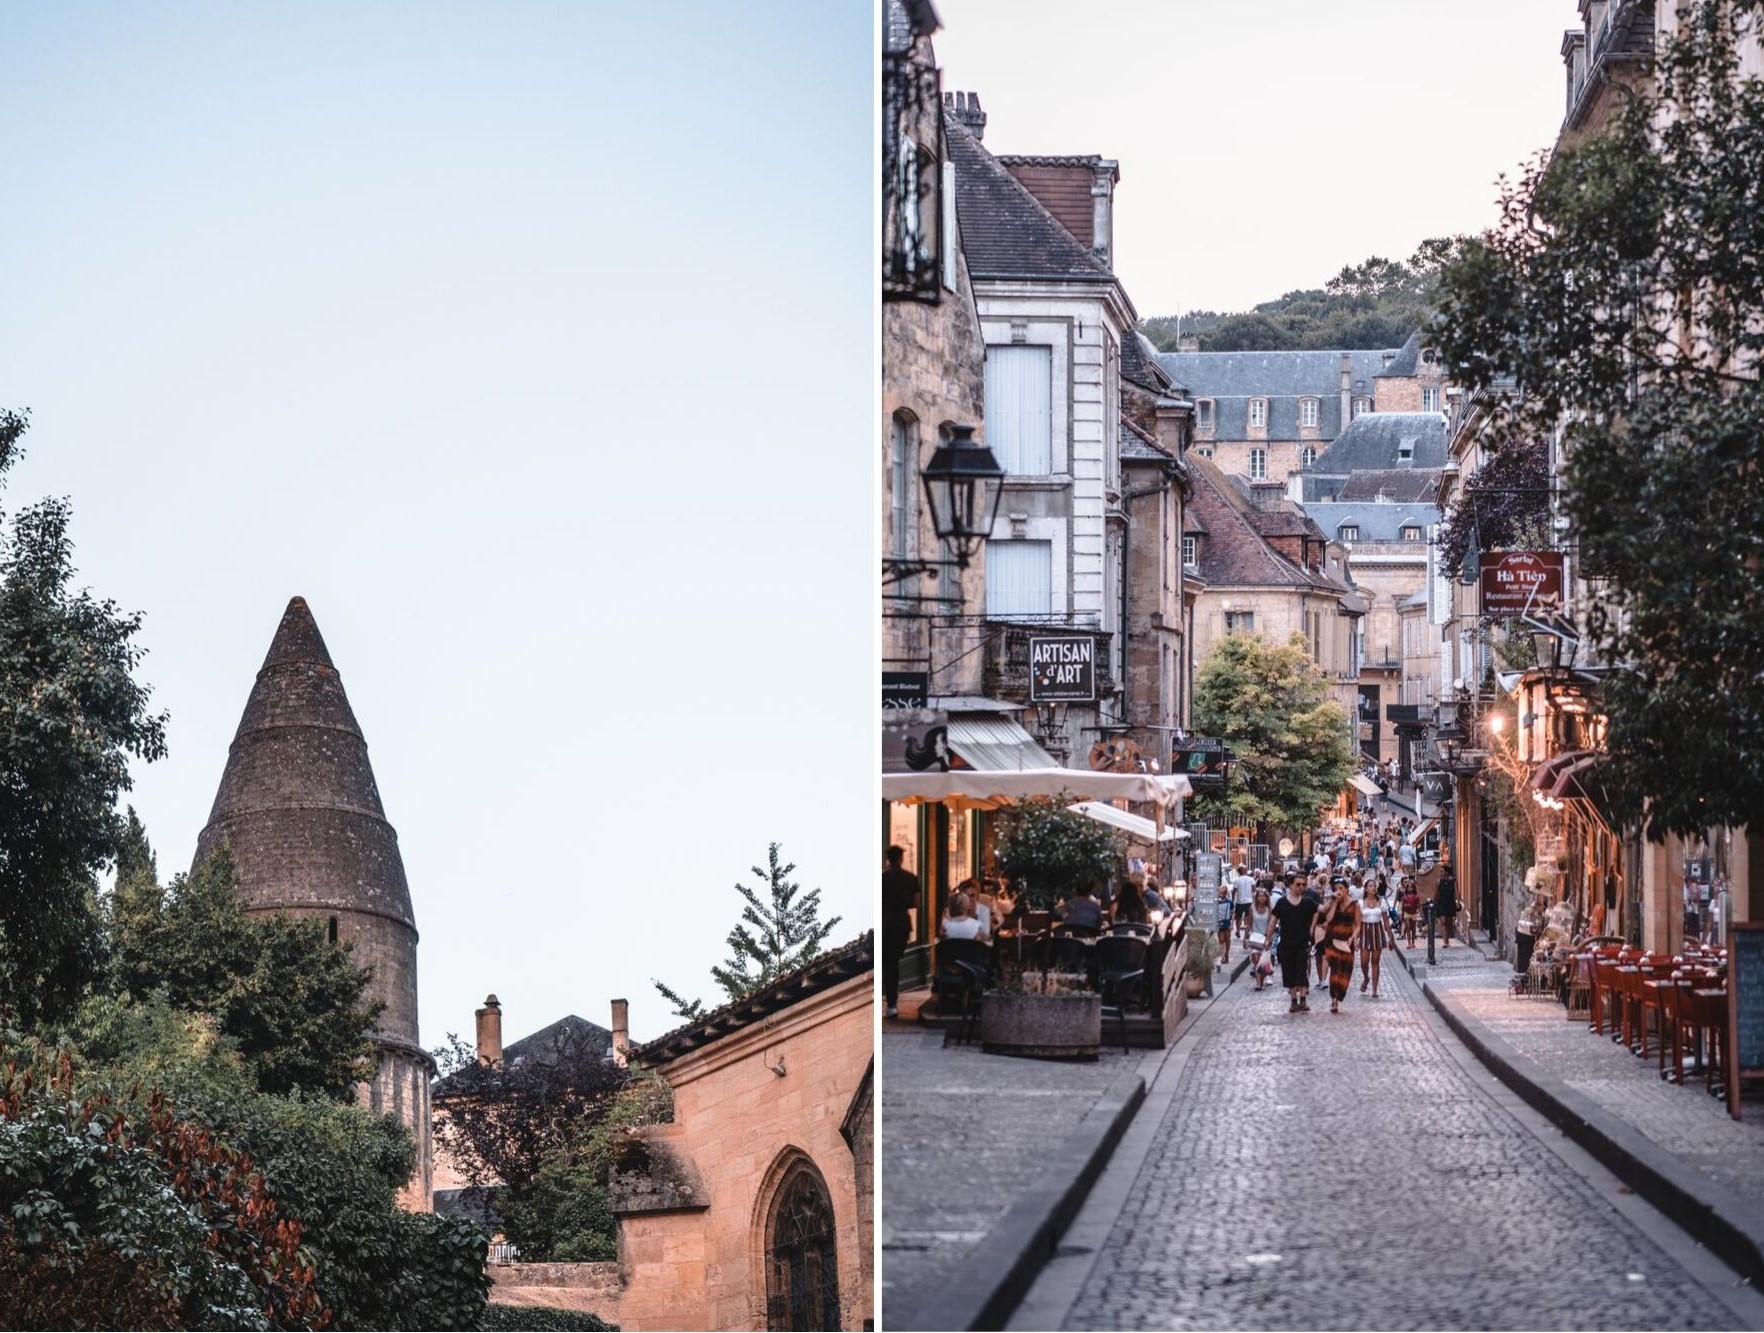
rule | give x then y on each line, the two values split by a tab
1399	485
1136	444
1139	363
570	1035
1231	379
1376	522
1006	232
818	974
1408	360
1235	551
1049	160
1374	441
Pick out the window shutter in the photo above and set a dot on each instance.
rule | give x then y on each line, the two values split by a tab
1019	408
1019	578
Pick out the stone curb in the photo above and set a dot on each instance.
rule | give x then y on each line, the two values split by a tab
1029	1232
1729	1226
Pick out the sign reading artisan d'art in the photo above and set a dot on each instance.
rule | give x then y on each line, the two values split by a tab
1062	669
1512	581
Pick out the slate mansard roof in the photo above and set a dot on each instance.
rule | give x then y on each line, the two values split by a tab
1376	522
1231	379
1006	232
1385	441
1397	485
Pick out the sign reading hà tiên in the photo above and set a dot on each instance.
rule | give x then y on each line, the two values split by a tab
1513	581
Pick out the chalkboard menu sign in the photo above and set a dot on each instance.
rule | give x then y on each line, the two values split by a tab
1745	1008
1203	899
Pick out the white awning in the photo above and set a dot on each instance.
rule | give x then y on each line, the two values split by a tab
996	744
964	789
1137	826
1365	784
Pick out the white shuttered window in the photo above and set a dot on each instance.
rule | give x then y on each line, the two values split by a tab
1019	409
1019	578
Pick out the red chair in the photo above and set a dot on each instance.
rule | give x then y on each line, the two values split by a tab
1604	992
1710	1008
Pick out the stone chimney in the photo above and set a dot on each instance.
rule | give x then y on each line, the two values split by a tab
621	1033
490	1032
1188	342
1347	389
1103	175
964	109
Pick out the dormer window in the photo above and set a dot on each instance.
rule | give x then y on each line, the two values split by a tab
1362	405
1190	552
1406	449
1349	532
1258	413
1307	411
1411	533
1203	414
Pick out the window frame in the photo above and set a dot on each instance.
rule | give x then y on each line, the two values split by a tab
1010	450
1190	551
1310	413
1258	407
1258	464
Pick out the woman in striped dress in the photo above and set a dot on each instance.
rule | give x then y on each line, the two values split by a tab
1340	924
1375	933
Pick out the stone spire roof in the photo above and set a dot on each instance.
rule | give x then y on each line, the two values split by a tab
298	801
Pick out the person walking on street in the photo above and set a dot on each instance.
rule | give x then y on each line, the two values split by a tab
1243	891
1261	936
1340	929
1319	894
1445	903
900	898
1375	935
1293	913
1223	921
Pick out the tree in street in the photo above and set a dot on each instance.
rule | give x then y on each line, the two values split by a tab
1622	291
71	717
1270	704
775	935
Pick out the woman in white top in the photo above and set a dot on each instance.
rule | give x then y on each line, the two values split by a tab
960	922
1261	924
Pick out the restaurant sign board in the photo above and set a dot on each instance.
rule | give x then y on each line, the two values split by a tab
915	737
906	689
1203	898
1745	1008
1515	581
1062	669
1201	759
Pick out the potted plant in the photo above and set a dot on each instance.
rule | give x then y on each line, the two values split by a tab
1049	851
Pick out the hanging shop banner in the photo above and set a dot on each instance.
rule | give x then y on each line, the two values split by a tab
1201	759
1062	669
915	737
906	689
1511	581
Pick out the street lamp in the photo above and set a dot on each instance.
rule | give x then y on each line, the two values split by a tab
1546	644
963	505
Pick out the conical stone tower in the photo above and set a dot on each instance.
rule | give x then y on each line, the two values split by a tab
299	805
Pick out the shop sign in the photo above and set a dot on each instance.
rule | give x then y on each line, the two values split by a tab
1201	759
905	689
1513	581
915	740
1062	669
1209	874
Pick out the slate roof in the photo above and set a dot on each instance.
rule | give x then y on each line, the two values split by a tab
1408	360
570	1034
1376	522
1235	551
1139	363
1231	379
818	974
1400	485
1136	444
1006	231
1374	441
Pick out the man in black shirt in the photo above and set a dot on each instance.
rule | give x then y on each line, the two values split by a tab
900	895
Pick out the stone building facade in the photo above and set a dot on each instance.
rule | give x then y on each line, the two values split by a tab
754	1208
933	364
299	807
1412	381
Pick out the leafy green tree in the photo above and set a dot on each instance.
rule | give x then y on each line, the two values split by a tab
290	999
1621	294
1271	706
1376	303
775	935
565	1215
71	717
1050	850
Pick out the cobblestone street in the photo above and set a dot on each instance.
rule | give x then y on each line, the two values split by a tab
1361	1171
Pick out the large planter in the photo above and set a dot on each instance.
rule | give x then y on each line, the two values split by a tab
1044	1027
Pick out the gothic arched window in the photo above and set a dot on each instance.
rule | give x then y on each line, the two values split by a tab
802	1273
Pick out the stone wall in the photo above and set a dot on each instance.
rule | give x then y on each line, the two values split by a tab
593	1289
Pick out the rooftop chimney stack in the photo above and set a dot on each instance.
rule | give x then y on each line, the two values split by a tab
1103	175
621	1033
490	1032
1347	389
964	109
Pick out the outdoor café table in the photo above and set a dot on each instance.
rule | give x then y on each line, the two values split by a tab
1713	1007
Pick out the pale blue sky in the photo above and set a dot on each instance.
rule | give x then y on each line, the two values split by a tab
532	344
1265	143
